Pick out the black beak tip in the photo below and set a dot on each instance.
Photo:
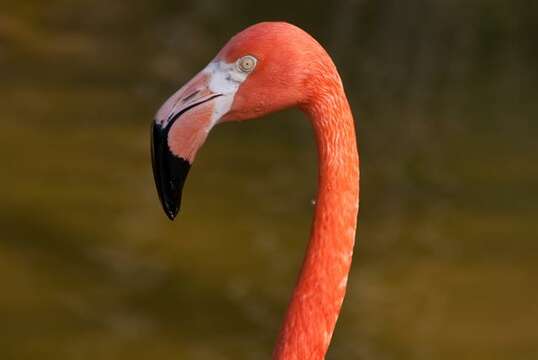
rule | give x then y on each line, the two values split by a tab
170	204
169	172
171	214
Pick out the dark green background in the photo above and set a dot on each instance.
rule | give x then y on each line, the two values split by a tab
445	97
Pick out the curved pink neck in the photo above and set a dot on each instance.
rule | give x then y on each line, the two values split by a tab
320	290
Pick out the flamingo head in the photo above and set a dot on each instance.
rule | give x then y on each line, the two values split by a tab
265	68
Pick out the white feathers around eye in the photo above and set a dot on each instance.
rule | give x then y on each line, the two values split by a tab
224	79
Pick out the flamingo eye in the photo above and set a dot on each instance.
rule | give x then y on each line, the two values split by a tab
246	64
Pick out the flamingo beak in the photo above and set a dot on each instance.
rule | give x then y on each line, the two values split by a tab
180	128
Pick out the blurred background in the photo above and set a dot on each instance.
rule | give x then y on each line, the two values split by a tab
445	97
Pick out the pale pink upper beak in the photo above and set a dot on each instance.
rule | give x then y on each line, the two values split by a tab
194	93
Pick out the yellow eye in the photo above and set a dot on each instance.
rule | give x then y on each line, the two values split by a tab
246	63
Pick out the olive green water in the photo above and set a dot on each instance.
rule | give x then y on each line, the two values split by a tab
90	268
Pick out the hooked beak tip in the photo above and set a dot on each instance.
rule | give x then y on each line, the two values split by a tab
170	167
169	171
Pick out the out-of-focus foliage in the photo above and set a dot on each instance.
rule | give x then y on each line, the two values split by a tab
445	94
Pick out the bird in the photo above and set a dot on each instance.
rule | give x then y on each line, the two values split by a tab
267	67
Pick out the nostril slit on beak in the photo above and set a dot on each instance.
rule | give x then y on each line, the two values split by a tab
187	98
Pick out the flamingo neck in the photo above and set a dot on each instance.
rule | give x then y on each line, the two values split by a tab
320	290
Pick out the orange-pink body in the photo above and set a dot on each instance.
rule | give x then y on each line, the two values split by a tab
308	79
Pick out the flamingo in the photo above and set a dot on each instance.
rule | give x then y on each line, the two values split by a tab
267	67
